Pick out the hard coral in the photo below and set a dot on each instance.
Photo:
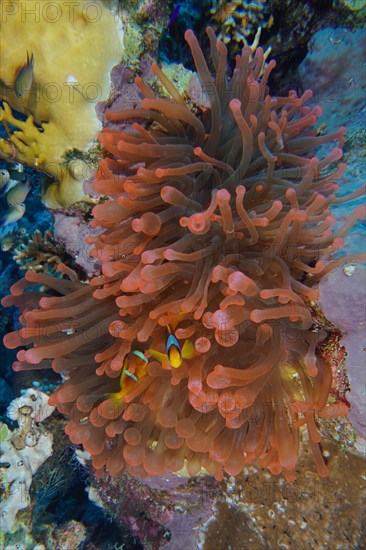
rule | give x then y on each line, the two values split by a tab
221	231
22	452
237	20
37	252
68	78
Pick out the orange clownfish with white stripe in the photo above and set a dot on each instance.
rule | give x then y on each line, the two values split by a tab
174	353
129	379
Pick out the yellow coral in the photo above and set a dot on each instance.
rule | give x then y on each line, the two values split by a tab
75	45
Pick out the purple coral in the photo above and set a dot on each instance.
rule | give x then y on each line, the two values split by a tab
343	301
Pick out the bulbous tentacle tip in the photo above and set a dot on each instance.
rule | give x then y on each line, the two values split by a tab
189	36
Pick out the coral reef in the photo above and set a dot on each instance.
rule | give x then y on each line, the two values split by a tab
235	21
185	14
340	85
263	512
216	234
37	252
253	510
68	78
342	91
42	253
295	22
143	22
71	231
347	309
167	512
176	73
124	94
22	453
70	536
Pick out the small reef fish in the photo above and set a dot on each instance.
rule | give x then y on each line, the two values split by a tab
14	188
17	194
7	242
24	78
174	15
4	178
174	353
11	183
16	167
13	214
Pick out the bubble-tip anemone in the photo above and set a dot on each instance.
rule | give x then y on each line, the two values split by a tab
222	231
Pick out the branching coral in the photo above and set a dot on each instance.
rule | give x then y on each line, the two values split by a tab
38	252
42	253
238	19
221	231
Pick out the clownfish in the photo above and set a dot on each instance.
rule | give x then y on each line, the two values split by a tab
140	368
24	78
128	379
174	353
173	350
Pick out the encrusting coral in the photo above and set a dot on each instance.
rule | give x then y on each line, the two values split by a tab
143	23
22	452
68	78
196	346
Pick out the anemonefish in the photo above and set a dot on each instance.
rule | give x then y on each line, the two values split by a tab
173	350
128	379
24	78
174	353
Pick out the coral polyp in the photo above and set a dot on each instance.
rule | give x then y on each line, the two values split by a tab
216	232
